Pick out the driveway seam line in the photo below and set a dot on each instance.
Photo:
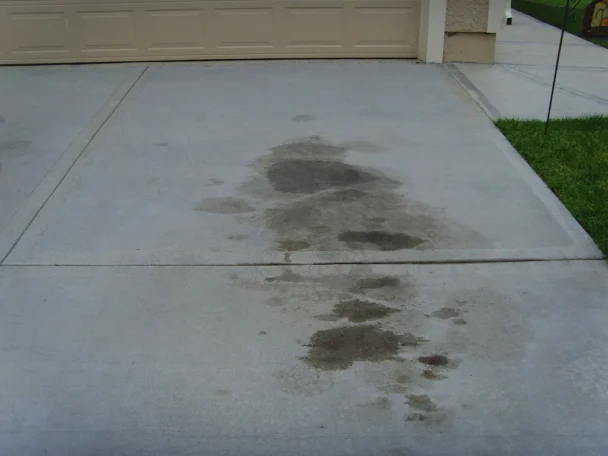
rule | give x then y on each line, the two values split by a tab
484	103
337	263
47	187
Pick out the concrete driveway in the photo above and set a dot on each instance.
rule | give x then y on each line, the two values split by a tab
340	258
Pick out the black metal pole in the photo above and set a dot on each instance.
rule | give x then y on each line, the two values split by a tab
559	53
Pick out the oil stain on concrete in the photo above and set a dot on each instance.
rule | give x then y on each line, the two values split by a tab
338	348
359	311
303	118
315	196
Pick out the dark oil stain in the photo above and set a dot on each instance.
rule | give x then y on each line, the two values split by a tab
161	144
262	333
409	340
430	374
367	283
227	205
434	360
303	118
214	181
311	176
415	417
446	313
382	240
311	147
238	237
459	321
2	119
364	146
422	403
343	196
403	379
380	403
339	348
286	276
359	311
290	245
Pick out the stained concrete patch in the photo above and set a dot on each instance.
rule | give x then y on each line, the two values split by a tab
421	402
382	240
227	205
360	310
338	348
303	118
311	176
446	313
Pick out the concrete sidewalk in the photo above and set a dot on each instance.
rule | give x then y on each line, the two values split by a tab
519	84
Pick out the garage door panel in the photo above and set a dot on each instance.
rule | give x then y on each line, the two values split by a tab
38	33
168	29
382	26
107	30
174	29
241	27
309	28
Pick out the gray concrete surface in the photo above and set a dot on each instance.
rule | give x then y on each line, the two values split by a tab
201	164
519	85
234	360
43	112
113	343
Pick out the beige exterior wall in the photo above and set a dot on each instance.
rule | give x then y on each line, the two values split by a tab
469	47
467	15
470	30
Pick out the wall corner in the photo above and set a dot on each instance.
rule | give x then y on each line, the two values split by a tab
432	30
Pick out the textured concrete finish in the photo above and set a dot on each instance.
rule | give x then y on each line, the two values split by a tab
500	359
299	162
42	110
519	84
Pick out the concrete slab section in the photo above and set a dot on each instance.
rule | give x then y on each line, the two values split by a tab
515	91
501	359
299	162
42	112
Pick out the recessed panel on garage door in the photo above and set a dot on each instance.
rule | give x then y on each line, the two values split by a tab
314	27
383	26
241	29
107	30
175	29
38	33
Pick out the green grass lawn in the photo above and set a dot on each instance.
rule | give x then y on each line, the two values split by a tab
573	160
552	12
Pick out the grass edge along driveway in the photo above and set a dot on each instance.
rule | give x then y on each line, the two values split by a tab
573	161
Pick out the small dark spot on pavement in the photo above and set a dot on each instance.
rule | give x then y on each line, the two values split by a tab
381	239
409	340
2	119
303	118
288	245
161	144
339	348
227	205
434	360
262	333
311	176
313	146
459	321
214	181
446	313
423	403
377	282
430	375
359	311
286	276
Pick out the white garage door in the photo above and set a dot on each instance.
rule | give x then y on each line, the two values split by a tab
38	31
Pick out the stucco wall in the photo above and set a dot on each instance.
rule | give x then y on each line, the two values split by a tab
467	15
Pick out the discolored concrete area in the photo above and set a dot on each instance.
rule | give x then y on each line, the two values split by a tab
198	360
197	167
